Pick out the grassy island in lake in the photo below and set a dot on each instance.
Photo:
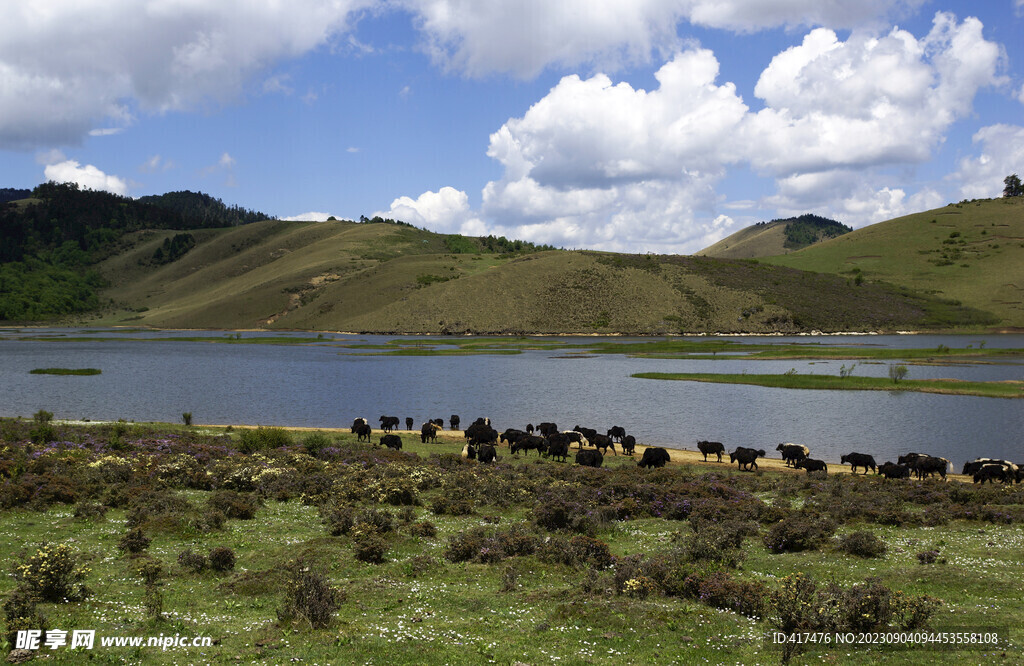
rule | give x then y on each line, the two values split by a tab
1001	389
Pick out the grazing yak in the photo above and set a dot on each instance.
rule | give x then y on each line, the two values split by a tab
589	458
891	470
529	443
558	446
486	453
363	432
408	422
482	421
469	452
922	464
388	423
617	433
511	436
605	442
439	423
391	441
746	457
708	448
811	465
858	460
529	428
654	456
454	422
547	428
574	436
481	434
358	422
971	467
428	432
793	453
991	472
628	444
589	433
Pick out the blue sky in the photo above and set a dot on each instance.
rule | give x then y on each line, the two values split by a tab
628	125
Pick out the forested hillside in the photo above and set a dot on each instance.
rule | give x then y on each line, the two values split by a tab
52	237
204	210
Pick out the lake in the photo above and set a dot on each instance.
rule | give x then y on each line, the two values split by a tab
324	385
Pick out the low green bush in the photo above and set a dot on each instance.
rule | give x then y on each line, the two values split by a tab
862	544
309	596
252	440
192	561
798	532
21	613
233	504
54	573
134	541
222	559
370	547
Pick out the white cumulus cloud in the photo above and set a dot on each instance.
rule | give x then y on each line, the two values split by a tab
523	37
445	211
598	163
67	64
88	176
1002	154
753	15
870	100
312	216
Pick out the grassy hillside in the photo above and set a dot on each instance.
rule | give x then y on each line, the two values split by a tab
758	240
972	252
776	237
390	278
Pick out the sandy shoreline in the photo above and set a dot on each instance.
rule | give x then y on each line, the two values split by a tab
678	456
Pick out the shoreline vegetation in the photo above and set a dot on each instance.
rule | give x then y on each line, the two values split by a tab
996	389
300	545
710	349
65	371
679	456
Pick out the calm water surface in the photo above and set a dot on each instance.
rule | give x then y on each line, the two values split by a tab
321	386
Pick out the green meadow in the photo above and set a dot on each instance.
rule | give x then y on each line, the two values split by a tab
309	547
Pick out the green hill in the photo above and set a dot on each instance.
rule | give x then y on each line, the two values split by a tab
109	260
767	239
390	278
971	252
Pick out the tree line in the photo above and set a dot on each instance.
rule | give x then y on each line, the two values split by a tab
52	236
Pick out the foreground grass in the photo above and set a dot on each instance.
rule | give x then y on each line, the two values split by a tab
1001	389
419	607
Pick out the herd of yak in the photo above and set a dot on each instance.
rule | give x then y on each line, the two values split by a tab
920	465
548	441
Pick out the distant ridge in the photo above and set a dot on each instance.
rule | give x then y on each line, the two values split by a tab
768	239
